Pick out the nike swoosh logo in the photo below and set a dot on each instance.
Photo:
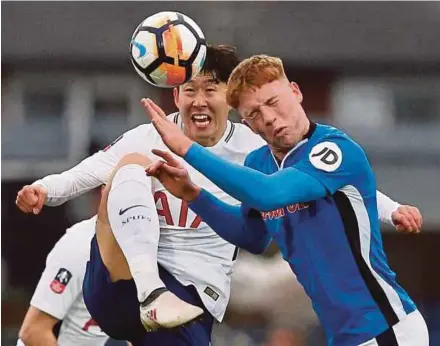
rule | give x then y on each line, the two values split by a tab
141	47
122	211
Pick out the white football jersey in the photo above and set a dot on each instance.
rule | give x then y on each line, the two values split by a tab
188	248
191	251
59	291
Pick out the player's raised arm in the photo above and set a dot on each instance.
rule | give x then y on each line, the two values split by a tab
260	191
56	189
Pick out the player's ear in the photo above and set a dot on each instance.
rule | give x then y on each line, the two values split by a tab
176	96
296	91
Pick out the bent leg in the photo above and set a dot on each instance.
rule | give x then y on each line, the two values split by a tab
128	226
127	241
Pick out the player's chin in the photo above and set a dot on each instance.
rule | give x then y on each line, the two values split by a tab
288	141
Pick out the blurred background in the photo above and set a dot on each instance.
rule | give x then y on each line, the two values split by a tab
371	68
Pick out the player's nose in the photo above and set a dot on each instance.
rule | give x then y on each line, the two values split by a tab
199	100
268	116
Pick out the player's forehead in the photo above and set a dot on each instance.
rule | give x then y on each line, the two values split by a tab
202	80
251	98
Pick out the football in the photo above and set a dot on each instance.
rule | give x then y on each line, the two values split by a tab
168	49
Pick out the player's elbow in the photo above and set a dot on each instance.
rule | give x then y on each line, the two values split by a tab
37	328
35	335
29	333
268	197
269	202
257	201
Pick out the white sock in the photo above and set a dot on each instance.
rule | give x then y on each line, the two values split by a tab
135	225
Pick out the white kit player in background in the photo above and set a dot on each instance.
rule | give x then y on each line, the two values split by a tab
58	296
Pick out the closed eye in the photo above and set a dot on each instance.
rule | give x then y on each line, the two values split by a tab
272	102
252	115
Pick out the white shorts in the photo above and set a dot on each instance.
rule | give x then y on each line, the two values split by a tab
411	331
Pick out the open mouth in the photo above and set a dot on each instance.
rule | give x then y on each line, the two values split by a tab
279	131
201	120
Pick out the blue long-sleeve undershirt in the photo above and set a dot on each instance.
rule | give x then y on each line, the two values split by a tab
258	190
245	231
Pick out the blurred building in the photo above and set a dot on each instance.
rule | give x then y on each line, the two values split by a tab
372	68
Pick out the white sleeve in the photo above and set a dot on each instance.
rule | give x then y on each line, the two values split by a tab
385	207
61	281
94	170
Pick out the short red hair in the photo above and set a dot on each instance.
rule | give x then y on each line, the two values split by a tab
253	73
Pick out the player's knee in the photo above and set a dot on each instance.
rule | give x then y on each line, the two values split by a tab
134	159
129	159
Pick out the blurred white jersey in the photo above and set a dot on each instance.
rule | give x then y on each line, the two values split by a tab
59	291
190	250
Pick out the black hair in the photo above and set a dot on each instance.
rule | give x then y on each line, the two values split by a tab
220	61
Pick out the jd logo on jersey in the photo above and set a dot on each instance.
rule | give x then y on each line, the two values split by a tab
60	281
326	156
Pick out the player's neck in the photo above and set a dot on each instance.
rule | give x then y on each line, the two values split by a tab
280	153
208	142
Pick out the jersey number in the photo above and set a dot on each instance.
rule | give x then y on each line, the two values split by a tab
166	212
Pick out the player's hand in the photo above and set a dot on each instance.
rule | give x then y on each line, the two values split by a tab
174	176
171	134
31	198
407	219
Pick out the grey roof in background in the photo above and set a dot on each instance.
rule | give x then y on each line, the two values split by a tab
314	33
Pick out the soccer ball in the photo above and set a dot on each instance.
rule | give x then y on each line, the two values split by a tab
168	49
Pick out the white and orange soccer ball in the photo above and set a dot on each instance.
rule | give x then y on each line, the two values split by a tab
168	49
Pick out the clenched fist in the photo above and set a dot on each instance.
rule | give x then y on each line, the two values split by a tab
31	198
407	219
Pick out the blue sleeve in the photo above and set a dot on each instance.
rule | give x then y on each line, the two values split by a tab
258	190
336	162
240	226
